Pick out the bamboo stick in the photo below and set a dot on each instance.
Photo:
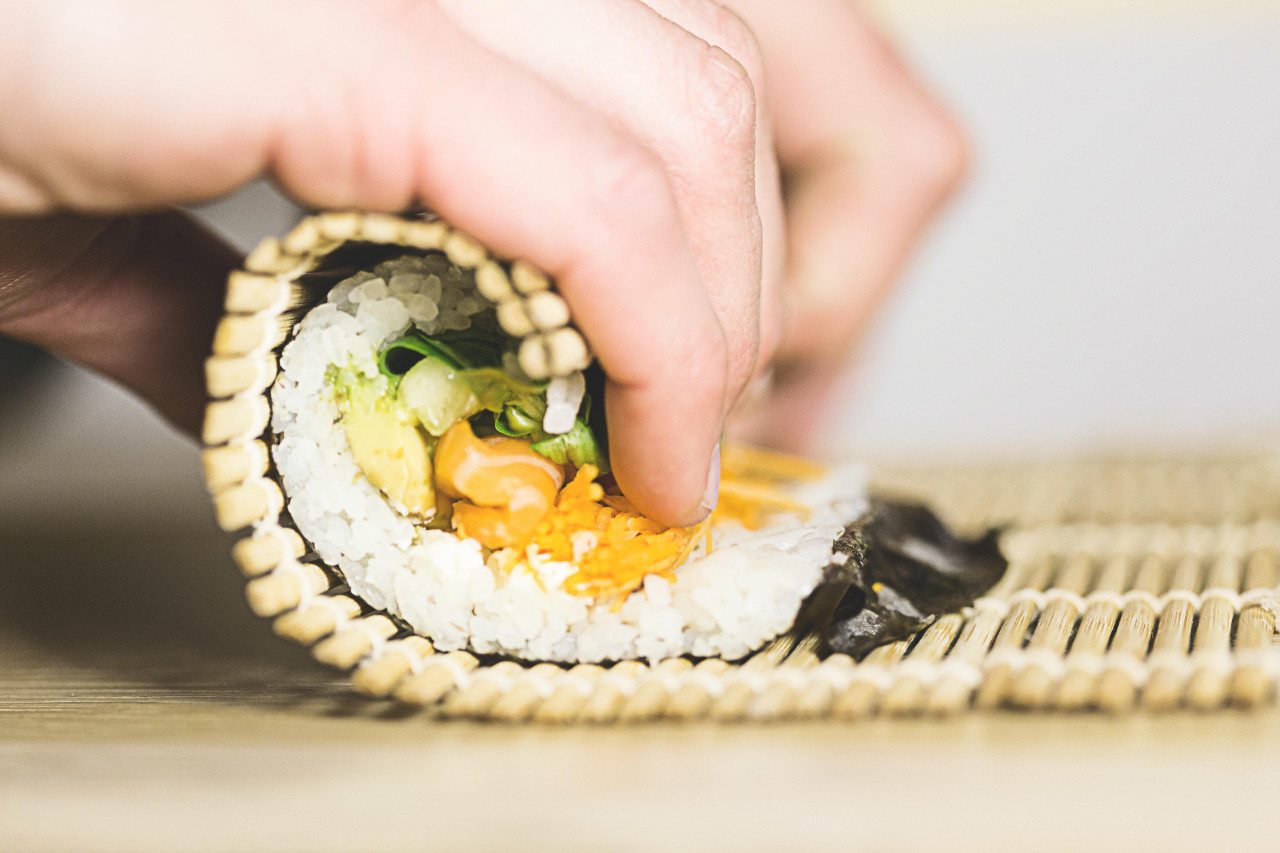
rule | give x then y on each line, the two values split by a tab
513	318
1033	686
262	293
817	697
266	549
493	283
693	701
1078	687
305	237
238	418
345	647
438	676
908	693
383	228
317	619
779	699
652	697
267	259
565	703
338	226
735	700
566	351
604	704
1210	653
462	250
285	587
475	698
953	691
379	675
528	279
231	464
424	235
862	697
774	702
519	703
533	358
1173	639
1251	684
1117	690
228	375
997	680
246	334
241	505
955	686
547	311
733	703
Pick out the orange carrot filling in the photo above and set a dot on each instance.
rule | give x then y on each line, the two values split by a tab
611	545
507	500
754	485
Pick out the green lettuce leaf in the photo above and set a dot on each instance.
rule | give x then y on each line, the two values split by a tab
518	406
578	446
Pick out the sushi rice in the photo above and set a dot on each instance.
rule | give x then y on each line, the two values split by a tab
726	603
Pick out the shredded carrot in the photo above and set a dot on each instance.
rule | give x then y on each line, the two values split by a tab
743	461
754	485
613	547
622	546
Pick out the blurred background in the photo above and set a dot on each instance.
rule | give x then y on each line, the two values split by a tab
1107	280
1109	276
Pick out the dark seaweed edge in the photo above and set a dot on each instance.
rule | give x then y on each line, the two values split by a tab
903	570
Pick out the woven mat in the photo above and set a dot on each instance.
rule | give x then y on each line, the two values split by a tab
1133	583
1105	607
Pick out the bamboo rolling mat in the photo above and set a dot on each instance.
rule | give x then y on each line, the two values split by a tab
1110	613
1133	584
1103	607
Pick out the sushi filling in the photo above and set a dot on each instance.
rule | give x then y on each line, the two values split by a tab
458	438
473	502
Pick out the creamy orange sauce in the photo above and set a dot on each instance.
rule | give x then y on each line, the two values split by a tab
504	489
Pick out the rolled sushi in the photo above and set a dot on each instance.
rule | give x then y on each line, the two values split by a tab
436	432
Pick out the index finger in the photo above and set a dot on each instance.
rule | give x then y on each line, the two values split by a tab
593	207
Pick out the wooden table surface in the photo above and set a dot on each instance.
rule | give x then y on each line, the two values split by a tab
143	708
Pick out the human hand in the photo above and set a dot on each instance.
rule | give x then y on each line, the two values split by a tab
867	157
641	186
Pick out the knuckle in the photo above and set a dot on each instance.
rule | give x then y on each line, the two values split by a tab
728	31
628	189
723	98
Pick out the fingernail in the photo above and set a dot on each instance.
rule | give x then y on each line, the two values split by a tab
711	497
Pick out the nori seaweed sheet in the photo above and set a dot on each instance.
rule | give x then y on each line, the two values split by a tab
903	569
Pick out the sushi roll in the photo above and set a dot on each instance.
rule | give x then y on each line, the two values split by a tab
419	421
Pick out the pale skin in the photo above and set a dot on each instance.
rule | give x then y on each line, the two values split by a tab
632	149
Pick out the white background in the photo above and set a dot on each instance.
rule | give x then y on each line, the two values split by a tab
1110	275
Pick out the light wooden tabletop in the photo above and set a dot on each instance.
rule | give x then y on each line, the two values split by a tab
143	708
